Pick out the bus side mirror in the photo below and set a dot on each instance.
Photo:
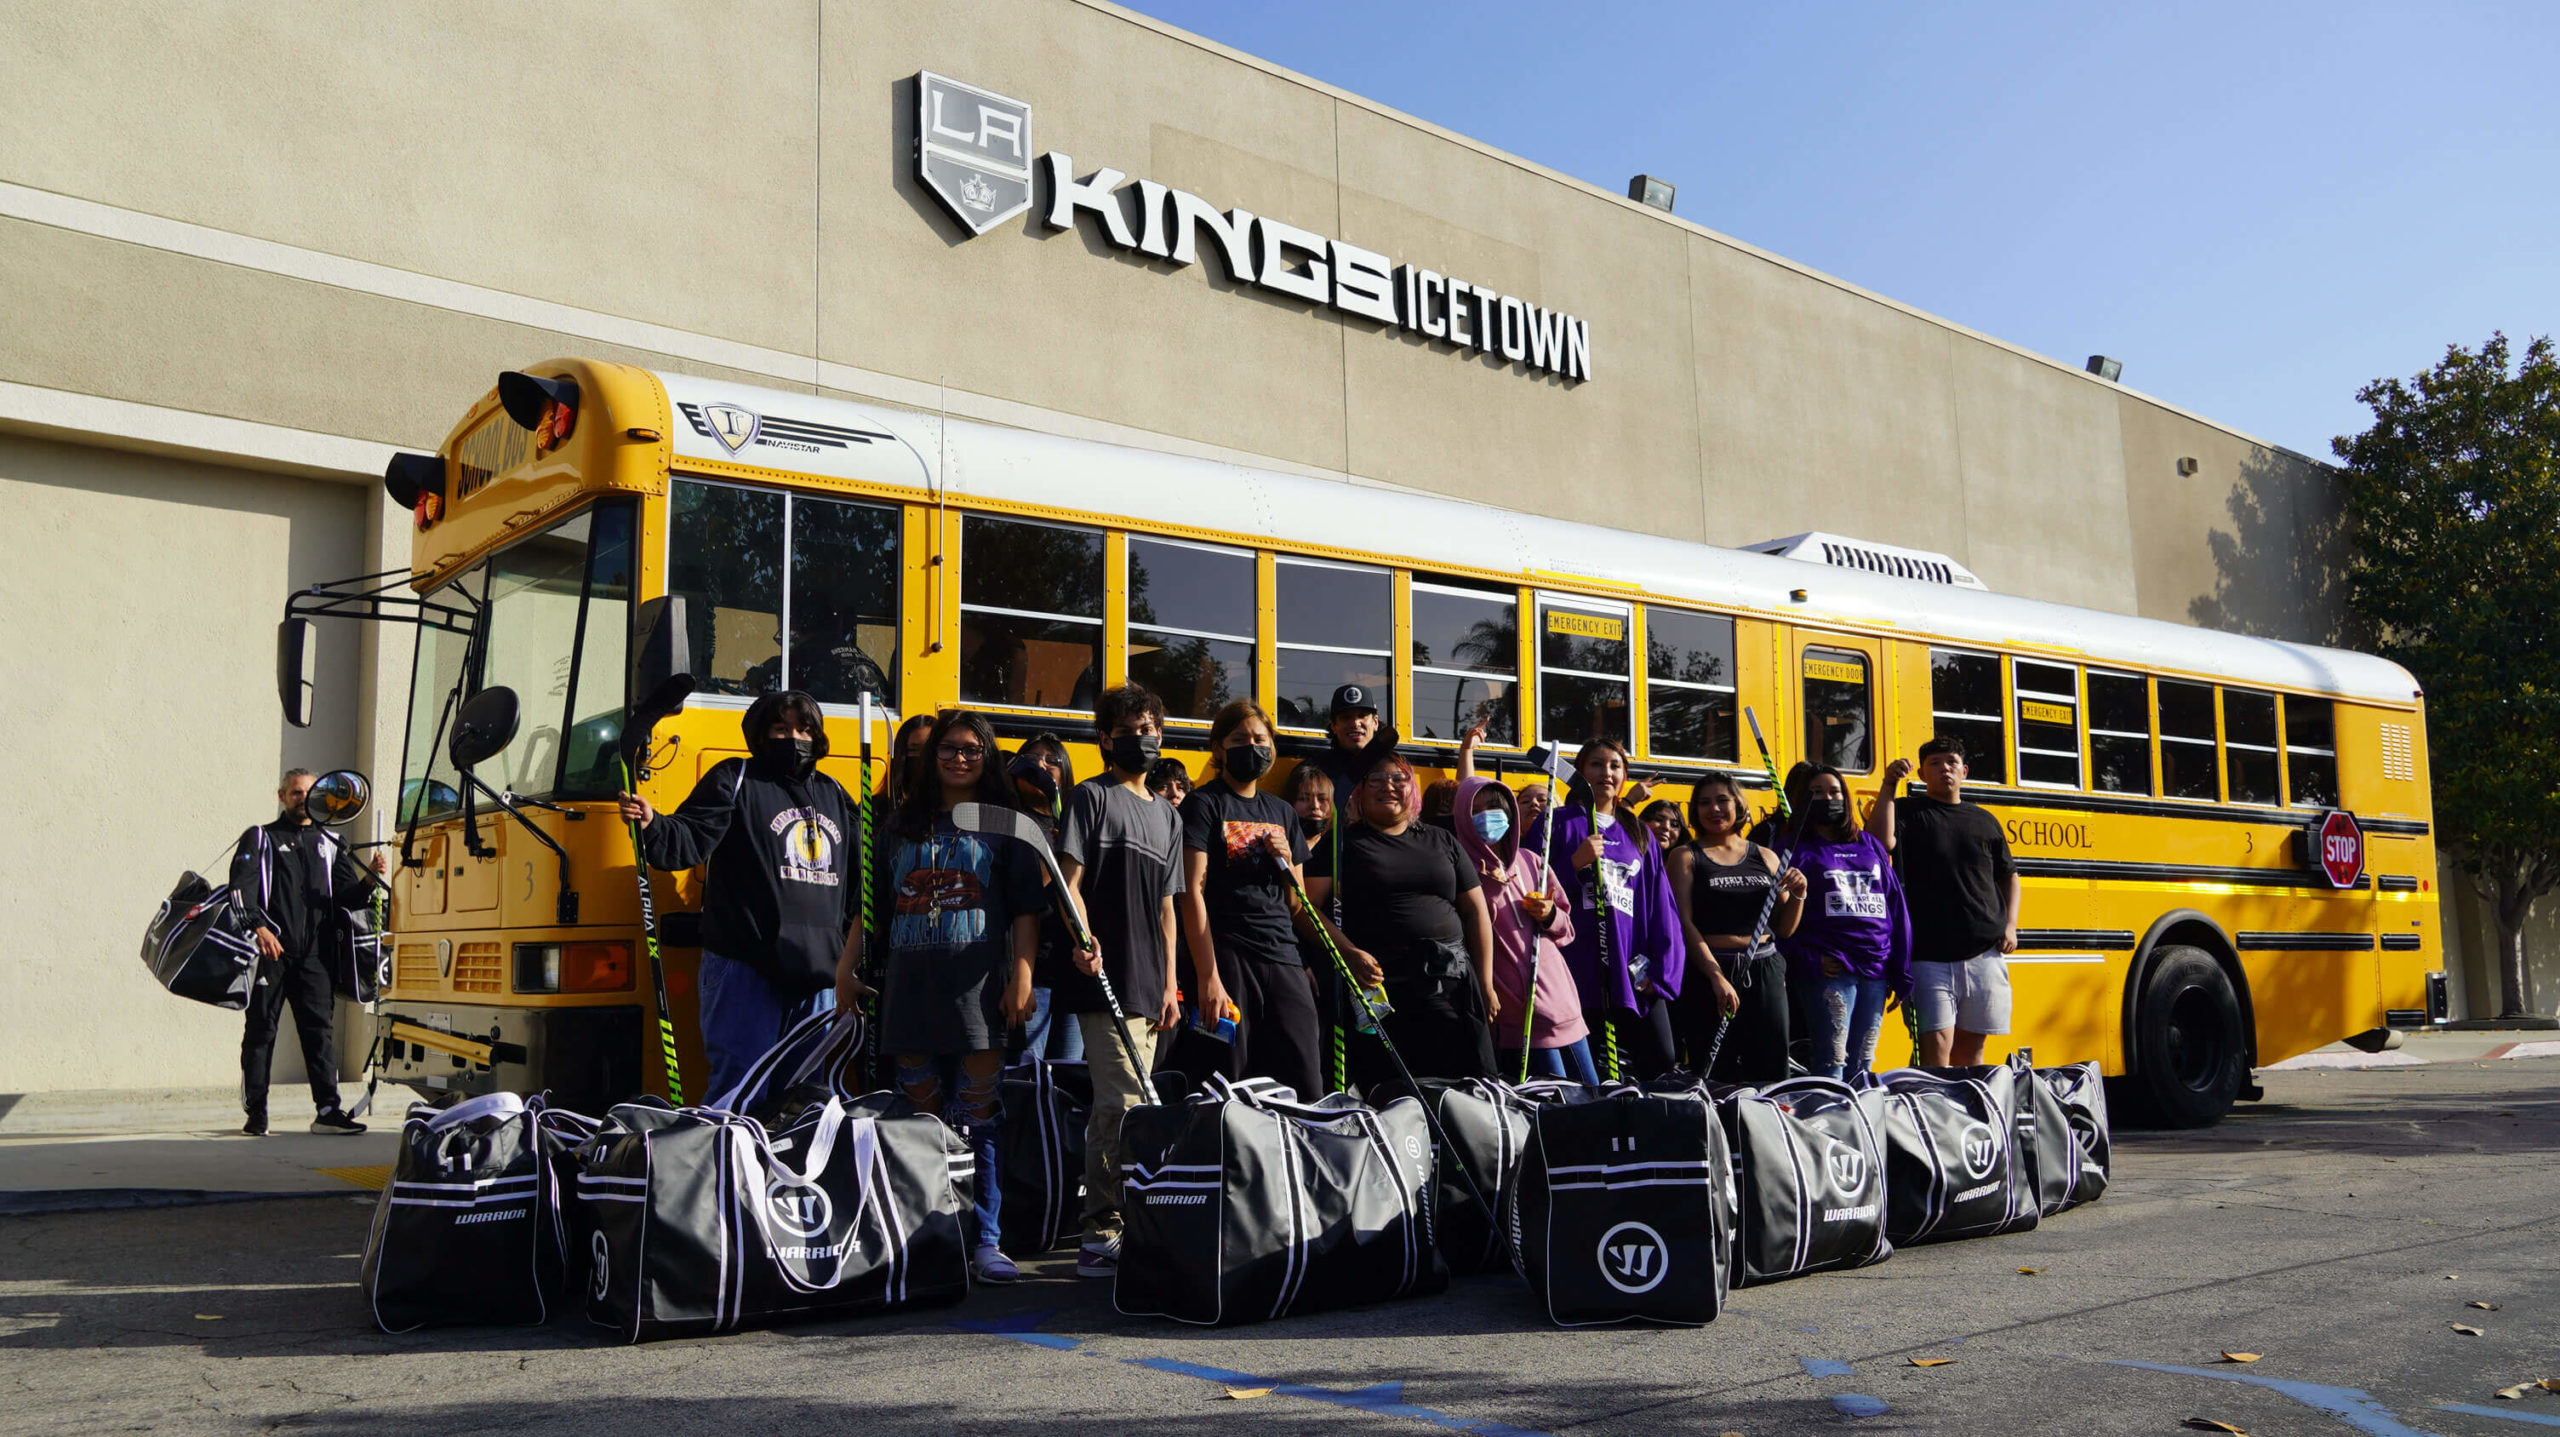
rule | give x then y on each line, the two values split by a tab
483	728
337	797
663	647
297	661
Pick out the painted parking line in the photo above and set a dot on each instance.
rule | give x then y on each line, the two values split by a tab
1379	1399
2350	1405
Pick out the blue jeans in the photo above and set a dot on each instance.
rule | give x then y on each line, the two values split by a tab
1573	1060
1044	1021
742	1017
1847	1015
942	1082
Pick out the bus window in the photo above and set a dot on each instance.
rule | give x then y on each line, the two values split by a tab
1964	703
1690	709
2119	733
1837	708
1191	624
2310	752
725	556
1337	625
843	601
1466	661
1030	614
2249	736
1585	683
429	788
2186	741
599	674
2048	724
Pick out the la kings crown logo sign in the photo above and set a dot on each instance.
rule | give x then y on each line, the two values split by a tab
973	150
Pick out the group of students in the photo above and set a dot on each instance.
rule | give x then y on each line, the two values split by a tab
1508	932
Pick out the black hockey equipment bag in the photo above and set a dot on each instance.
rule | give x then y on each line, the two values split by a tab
1960	1152
1626	1209
2072	1152
815	1059
1487	1127
1809	1160
457	1234
1040	1139
705	1221
198	945
1243	1204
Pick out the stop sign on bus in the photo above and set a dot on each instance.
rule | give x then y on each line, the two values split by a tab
2340	841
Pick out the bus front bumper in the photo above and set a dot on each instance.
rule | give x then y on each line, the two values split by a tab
587	1058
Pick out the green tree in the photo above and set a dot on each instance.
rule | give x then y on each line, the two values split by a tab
2453	497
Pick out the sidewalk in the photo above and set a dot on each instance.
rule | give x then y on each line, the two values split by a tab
2428	1046
75	1152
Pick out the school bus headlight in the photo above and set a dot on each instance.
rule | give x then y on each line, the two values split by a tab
573	967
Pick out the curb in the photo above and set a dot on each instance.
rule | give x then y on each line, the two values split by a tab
2323	1060
40	1202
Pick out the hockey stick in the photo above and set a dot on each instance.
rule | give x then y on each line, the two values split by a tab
1546	758
666	699
1014	824
1378	1025
862	841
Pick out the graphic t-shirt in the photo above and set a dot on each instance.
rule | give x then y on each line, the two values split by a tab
1130	847
1955	875
1246	893
1853	910
950	899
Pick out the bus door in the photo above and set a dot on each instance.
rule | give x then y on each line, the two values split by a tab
1840	692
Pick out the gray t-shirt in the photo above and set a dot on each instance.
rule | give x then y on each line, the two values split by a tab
1130	847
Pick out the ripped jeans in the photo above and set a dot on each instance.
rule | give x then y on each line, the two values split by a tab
1847	1014
929	1081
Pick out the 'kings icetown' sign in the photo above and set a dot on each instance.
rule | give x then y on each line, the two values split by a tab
973	151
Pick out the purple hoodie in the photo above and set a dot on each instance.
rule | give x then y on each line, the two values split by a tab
1509	872
1646	922
1853	911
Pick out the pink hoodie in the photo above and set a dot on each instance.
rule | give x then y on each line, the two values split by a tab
1509	873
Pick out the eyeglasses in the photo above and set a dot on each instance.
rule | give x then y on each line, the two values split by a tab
1387	781
962	752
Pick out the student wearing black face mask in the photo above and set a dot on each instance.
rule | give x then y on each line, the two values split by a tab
1121	850
776	837
1241	848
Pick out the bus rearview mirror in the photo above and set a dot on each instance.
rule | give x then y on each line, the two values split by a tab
337	797
484	727
662	648
297	661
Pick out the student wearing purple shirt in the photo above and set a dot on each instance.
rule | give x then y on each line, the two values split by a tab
1595	833
1851	953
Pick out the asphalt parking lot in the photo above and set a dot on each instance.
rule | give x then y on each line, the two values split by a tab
2340	1229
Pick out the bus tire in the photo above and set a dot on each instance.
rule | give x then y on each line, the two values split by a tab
2193	1043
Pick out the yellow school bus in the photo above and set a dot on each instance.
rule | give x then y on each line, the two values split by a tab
2224	841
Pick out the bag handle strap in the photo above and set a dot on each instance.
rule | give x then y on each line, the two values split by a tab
752	1155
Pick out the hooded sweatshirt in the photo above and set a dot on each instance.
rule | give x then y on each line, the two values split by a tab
1510	875
1645	921
778	846
1853	911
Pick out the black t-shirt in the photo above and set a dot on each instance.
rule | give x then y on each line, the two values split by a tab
1956	868
1246	893
1130	848
1399	891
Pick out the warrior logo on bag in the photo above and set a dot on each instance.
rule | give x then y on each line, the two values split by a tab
1848	1170
1633	1257
802	1212
1981	1149
596	1249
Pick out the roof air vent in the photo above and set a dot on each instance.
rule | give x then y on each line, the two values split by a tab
1889	560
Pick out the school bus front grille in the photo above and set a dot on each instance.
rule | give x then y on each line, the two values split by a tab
476	969
415	967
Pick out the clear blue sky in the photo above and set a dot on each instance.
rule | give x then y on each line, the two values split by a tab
2256	207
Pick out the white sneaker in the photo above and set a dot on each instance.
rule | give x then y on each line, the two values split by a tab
1100	1259
991	1265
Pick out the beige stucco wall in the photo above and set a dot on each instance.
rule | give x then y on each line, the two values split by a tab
139	699
344	220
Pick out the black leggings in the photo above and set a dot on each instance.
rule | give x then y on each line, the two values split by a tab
1755	1045
1646	1047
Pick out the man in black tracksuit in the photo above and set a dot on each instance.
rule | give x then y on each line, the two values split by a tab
294	876
777	837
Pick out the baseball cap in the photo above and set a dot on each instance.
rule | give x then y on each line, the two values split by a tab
1352	698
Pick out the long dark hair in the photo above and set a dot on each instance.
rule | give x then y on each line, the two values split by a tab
895	789
923	801
1697	799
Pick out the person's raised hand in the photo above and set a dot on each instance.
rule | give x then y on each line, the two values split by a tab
635	809
1894	774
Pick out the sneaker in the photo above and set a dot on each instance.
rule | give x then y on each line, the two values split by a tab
1099	1259
256	1127
333	1121
991	1265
